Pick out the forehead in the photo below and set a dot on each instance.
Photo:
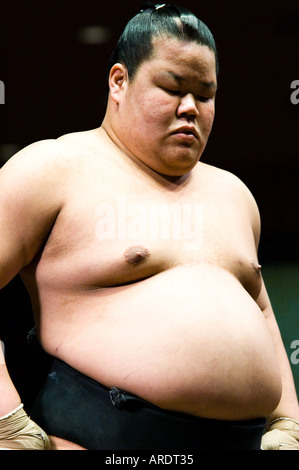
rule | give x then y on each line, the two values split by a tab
183	58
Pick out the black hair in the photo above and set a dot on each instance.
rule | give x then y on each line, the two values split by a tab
135	45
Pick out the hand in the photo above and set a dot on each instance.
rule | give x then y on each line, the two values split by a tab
19	432
282	434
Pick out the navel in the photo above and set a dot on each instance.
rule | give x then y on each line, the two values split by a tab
136	255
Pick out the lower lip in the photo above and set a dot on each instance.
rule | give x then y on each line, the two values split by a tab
182	136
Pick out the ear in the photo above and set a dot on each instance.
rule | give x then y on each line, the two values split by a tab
118	79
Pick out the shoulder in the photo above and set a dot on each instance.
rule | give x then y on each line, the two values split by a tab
40	157
230	186
46	159
228	182
30	202
35	179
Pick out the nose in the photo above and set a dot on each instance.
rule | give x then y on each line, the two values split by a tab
187	107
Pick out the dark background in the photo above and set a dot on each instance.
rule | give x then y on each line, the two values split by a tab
55	83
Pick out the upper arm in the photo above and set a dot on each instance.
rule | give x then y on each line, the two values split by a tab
246	205
30	201
253	214
288	405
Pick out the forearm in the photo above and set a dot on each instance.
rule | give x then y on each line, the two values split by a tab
283	424
288	405
9	397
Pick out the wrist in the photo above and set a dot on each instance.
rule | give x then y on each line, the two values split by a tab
11	413
282	418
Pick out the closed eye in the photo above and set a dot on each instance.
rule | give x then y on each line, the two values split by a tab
204	99
172	92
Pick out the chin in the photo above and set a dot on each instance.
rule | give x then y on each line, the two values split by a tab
172	163
178	168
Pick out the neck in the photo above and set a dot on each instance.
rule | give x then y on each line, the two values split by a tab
176	180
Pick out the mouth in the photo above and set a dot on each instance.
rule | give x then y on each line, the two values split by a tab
186	134
187	130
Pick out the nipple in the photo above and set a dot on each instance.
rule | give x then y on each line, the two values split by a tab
136	255
257	269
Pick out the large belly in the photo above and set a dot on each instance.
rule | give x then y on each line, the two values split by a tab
189	339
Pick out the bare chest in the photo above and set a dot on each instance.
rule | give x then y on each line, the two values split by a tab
114	237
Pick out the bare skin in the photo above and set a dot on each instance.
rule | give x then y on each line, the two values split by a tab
172	307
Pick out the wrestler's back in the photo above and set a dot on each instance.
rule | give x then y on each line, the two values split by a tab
150	285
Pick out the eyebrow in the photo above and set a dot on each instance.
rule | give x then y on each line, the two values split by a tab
180	79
